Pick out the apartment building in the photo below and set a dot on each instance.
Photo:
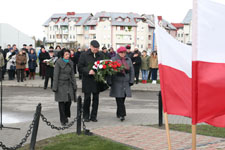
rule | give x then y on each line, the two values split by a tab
180	36
111	29
66	30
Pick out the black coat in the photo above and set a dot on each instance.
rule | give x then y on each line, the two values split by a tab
85	64
137	64
74	64
43	56
106	55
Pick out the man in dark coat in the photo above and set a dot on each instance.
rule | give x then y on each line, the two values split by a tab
129	53
49	68
105	53
77	57
89	85
43	56
136	60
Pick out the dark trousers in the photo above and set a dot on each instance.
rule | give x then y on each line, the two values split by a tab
87	102
137	72
46	81
20	75
64	111
121	109
154	73
43	70
11	74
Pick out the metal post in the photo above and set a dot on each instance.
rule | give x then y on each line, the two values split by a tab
160	109
79	102
35	128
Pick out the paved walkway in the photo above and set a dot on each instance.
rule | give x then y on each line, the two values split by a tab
148	138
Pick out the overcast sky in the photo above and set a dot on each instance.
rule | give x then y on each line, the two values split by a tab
29	15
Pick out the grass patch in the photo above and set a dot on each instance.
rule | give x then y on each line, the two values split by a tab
72	141
201	129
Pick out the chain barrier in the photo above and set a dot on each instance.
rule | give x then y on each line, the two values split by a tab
4	147
48	123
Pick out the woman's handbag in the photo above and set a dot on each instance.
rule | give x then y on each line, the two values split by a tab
102	86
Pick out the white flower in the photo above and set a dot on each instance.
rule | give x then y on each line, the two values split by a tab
100	66
94	67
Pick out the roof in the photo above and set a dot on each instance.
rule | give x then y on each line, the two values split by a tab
150	20
178	25
114	16
188	17
60	18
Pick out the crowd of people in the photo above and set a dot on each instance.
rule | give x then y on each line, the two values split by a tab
60	66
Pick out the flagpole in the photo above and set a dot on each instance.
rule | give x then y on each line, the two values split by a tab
193	137
194	71
167	130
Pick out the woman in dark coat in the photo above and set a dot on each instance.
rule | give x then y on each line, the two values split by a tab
32	63
121	82
64	86
43	56
136	59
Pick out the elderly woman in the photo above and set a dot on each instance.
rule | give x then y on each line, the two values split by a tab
64	86
120	83
21	61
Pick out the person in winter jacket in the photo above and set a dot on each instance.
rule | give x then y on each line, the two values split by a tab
121	82
11	64
43	56
32	63
21	61
64	86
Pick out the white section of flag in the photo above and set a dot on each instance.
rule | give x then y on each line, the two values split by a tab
211	32
173	53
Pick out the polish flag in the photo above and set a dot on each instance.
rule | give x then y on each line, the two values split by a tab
208	65
193	78
175	73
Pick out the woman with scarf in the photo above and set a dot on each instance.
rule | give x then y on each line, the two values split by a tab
64	86
120	83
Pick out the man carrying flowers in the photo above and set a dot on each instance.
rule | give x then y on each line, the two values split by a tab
89	84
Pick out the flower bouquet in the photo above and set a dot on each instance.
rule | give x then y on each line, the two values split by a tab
105	68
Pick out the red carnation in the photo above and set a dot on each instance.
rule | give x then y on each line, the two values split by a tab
98	62
114	66
104	67
119	65
106	62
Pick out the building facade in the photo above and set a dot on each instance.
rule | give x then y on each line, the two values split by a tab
111	29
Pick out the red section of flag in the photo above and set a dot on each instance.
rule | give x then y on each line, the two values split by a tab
176	91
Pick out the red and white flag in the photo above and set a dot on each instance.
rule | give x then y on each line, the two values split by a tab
175	73
208	63
192	79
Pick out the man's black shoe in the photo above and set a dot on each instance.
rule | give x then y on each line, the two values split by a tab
86	120
122	118
94	119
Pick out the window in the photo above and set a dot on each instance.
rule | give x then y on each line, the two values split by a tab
149	46
86	28
92	28
70	36
149	37
178	35
70	27
50	28
94	36
119	19
138	38
141	45
53	36
50	36
137	45
86	37
121	28
182	35
127	19
73	36
55	28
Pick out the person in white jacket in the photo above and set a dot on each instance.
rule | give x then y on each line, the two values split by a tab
11	64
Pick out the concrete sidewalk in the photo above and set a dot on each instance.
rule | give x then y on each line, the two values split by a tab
38	82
